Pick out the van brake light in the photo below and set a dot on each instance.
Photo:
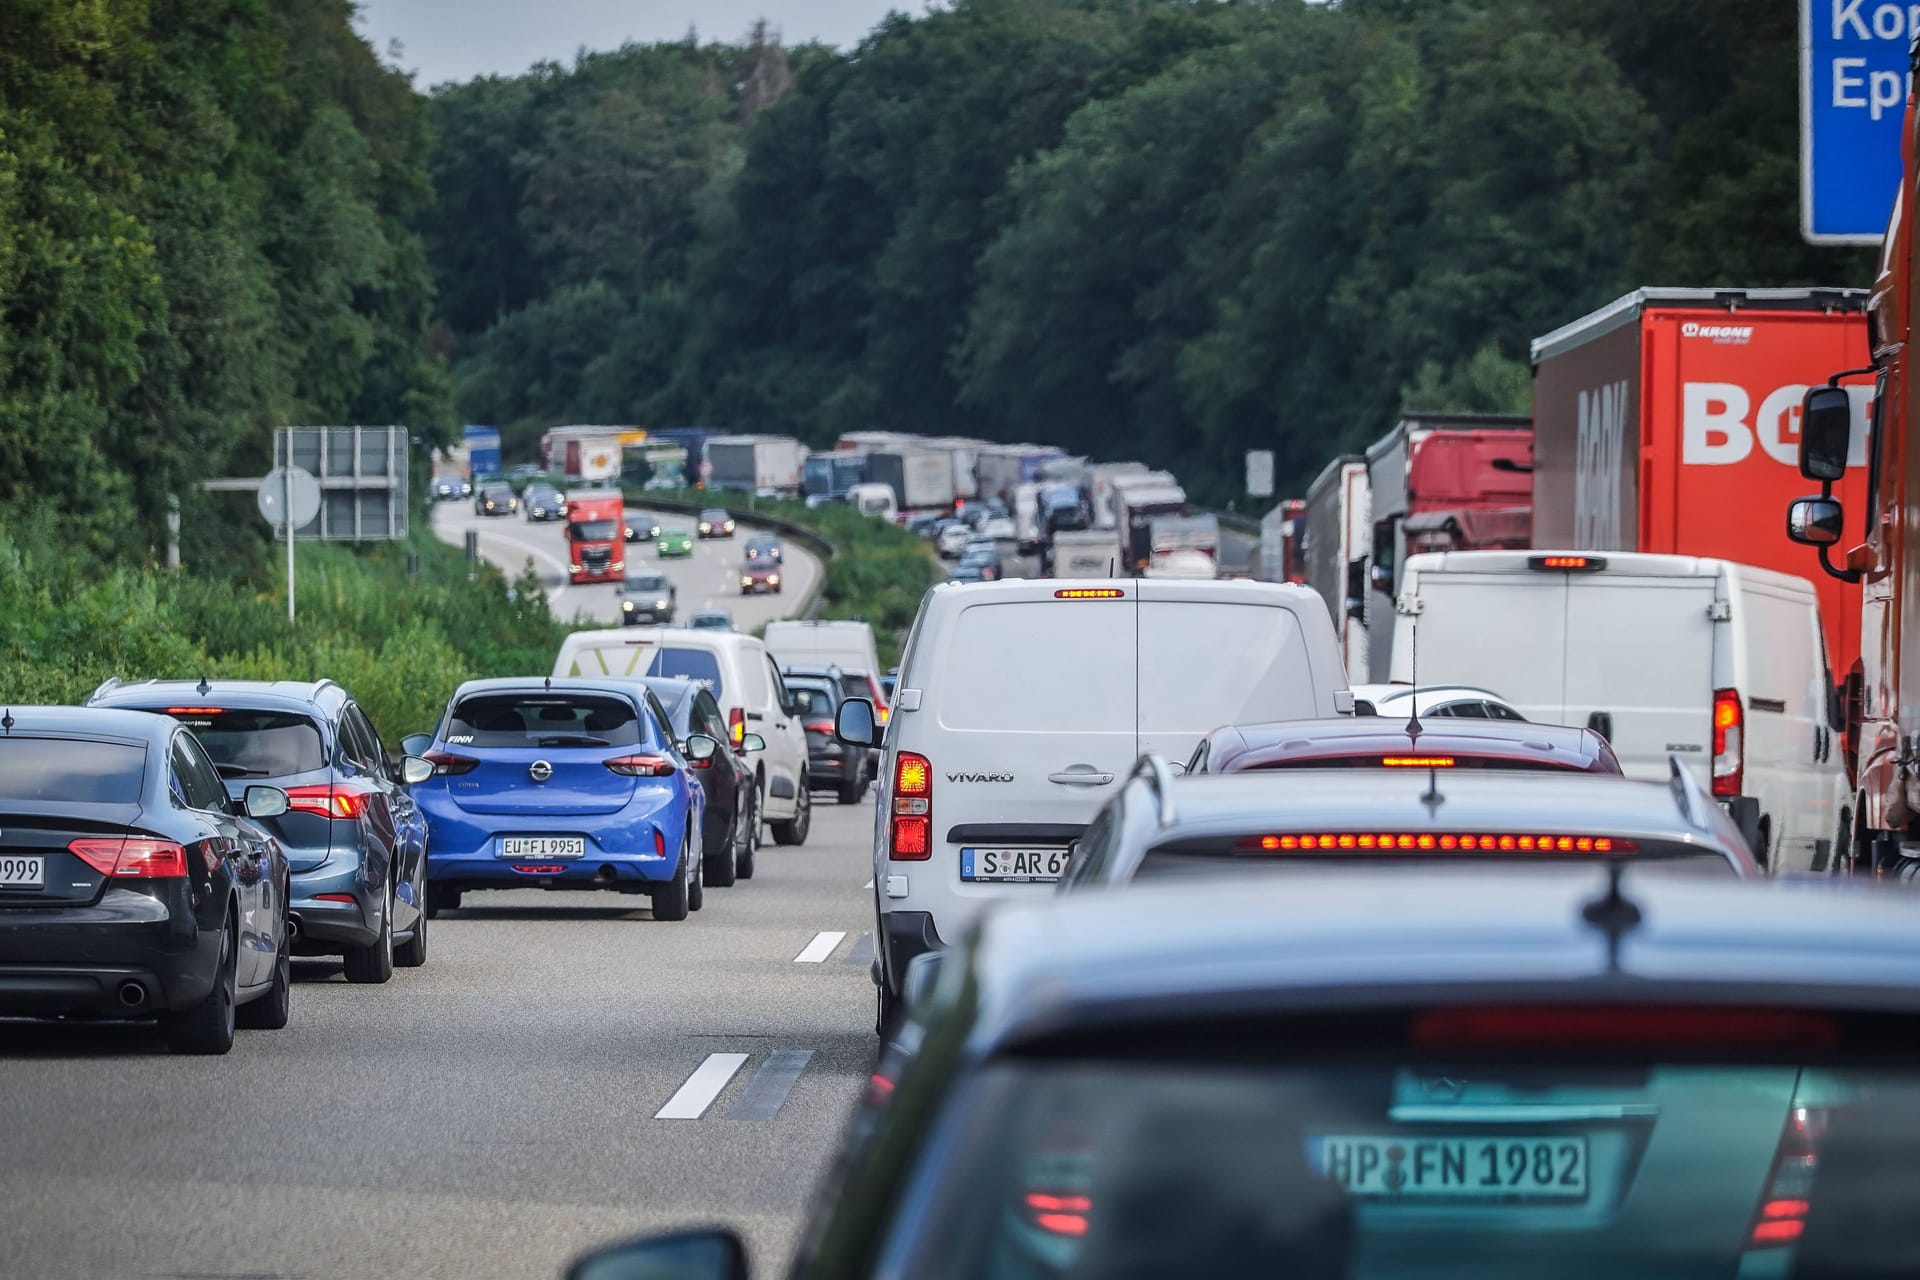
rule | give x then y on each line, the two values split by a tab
911	837
1575	564
1441	841
1089	593
1729	744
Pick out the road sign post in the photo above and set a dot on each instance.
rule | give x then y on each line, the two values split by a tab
1855	72
289	498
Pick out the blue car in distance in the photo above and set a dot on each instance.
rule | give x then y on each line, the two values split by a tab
561	784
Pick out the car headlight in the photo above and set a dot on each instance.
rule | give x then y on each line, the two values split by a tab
627	605
706	528
773	579
661	604
656	531
746	581
729	526
618	565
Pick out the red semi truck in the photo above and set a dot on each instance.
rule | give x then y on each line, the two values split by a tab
596	536
1669	422
1440	482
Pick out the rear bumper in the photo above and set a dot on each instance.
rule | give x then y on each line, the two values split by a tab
624	873
824	770
78	960
329	928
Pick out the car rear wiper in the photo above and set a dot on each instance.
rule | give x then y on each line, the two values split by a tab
240	771
574	740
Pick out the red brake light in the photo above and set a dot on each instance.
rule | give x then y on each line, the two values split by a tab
737	725
132	857
1416	762
912	808
1729	744
328	801
446	764
196	711
1574	563
641	766
1445	842
818	726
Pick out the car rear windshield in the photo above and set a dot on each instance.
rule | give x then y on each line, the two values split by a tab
544	720
257	744
67	771
1379	1163
813	701
857	687
593	530
697	665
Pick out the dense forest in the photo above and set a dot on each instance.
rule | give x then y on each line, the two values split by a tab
1172	229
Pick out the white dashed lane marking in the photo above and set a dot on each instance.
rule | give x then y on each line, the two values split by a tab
821	947
693	1098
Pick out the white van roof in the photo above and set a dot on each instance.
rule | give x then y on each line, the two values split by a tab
639	642
1643	564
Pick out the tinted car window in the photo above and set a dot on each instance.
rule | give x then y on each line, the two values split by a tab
71	772
691	664
707	718
1500	711
196	786
544	720
649	582
258	744
812	700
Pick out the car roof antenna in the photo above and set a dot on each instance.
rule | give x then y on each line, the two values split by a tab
203	688
1615	915
549	684
6	721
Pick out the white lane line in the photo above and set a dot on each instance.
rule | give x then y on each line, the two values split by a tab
702	1087
821	947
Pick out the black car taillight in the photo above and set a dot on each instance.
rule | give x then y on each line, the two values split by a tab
132	857
641	766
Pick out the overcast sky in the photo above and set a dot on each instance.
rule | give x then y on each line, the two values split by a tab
459	39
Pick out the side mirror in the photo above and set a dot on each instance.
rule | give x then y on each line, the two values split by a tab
854	724
265	802
1381	576
416	744
1361	707
414	770
1356	608
1814	522
753	742
690	1255
923	971
699	747
1826	433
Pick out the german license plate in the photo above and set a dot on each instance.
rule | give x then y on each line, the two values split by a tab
1501	1169
17	872
542	846
1013	865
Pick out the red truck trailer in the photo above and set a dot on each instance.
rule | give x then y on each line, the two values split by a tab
596	536
1668	422
1441	482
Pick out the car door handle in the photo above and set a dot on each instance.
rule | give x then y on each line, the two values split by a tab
1081	778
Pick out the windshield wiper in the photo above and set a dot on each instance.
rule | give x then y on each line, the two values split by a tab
240	771
574	740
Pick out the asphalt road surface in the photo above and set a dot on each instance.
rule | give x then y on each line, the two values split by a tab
488	1115
710	577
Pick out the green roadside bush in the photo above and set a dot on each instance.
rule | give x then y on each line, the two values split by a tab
878	576
400	645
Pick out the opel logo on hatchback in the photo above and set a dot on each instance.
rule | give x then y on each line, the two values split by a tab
539	771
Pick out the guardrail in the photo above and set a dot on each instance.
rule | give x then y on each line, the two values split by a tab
822	547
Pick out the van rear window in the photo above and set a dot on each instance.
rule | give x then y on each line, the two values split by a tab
697	665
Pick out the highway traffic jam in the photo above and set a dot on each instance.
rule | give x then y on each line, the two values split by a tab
1504	877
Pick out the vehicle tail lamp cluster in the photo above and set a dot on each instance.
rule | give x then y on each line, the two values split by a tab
818	726
131	857
1060	1215
446	764
329	800
911	839
1568	564
737	725
1781	1218
1729	743
1446	842
642	765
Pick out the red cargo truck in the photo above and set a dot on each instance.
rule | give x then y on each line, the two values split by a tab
596	536
1669	422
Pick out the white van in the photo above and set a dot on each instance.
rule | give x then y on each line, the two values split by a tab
1023	705
745	681
1723	665
810	643
873	500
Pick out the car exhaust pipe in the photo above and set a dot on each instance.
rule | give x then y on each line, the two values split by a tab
293	928
605	875
132	994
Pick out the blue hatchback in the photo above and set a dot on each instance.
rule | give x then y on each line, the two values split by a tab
562	784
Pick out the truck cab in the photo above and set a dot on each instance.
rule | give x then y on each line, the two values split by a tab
596	536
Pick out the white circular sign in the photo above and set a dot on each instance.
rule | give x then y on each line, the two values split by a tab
283	483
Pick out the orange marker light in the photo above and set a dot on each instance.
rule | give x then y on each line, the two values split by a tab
1416	762
1089	593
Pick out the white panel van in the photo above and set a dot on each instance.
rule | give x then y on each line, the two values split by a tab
1723	665
1022	706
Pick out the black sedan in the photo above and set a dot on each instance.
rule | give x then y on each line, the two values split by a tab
730	832
542	502
130	885
495	499
830	763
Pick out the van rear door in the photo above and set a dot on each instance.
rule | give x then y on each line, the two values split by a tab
1639	651
1500	629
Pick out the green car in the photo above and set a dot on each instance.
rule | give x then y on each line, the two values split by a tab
674	542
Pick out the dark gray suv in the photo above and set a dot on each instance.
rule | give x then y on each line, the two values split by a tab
355	842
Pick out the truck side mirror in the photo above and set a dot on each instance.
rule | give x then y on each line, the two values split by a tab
1815	522
1826	433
